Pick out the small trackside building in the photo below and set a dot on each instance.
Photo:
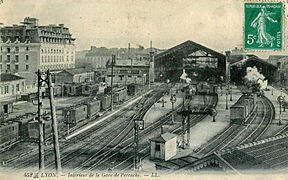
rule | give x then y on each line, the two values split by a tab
163	147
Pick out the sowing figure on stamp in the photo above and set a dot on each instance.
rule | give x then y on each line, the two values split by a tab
260	24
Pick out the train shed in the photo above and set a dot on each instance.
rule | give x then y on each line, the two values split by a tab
239	66
197	60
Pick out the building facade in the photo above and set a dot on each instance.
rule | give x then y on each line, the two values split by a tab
282	69
76	75
124	73
11	86
28	47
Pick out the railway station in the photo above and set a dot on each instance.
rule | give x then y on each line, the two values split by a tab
192	109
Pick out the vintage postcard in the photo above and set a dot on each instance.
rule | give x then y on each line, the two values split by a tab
143	89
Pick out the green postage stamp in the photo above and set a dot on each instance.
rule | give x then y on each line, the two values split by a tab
263	28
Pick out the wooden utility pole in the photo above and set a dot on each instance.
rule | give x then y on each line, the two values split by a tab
54	124
150	65
112	75
138	125
188	129
136	144
41	123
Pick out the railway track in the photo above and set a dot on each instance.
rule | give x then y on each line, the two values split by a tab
120	158
238	134
31	157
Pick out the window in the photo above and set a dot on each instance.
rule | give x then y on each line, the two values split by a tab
27	66
17	67
17	87
157	147
1	67
27	48
8	58
6	89
16	58
8	50
121	77
0	58
8	66
27	57
16	49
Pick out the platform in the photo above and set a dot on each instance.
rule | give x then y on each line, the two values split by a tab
203	131
272	93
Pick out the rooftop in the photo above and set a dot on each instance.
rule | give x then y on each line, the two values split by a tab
75	71
164	137
5	77
187	48
266	154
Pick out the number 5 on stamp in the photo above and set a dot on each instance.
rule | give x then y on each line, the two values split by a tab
263	27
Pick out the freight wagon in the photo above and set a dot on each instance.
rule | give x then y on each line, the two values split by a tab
72	89
90	89
57	91
93	108
132	89
73	115
9	133
120	95
203	88
243	109
105	102
23	126
33	129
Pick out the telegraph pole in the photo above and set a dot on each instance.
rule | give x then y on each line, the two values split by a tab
227	99
112	76
173	100
150	65
41	123
54	124
136	143
138	125
188	128
231	93
280	100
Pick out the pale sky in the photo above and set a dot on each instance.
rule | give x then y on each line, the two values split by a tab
217	24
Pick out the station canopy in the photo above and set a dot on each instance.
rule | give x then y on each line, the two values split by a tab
169	64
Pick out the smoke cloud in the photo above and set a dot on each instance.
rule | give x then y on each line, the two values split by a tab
185	77
255	77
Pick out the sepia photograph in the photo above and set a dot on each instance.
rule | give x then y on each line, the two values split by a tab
143	89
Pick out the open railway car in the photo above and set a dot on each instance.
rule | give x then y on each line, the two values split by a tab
243	109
